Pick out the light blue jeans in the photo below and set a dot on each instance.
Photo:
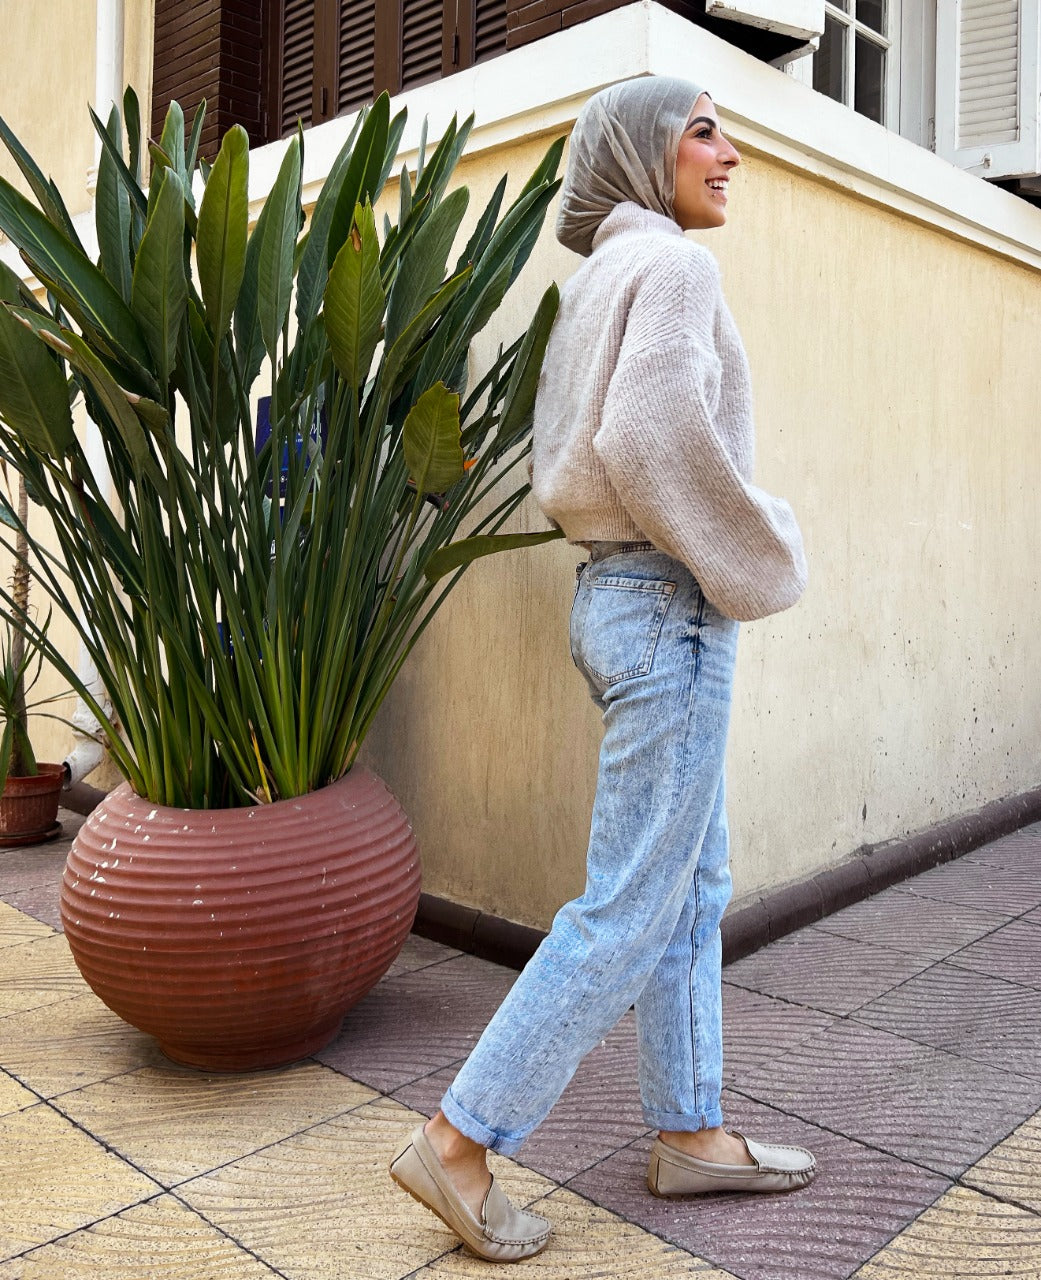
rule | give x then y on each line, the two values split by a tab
659	661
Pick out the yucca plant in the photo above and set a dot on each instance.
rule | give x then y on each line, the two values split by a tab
248	598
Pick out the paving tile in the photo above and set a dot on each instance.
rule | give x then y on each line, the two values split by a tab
972	1014
419	952
1012	952
41	903
38	973
65	1046
1012	1171
54	1179
175	1123
1020	848
964	1236
823	971
921	927
757	1028
162	1240
418	1022
16	927
13	1096
1007	890
916	1102
321	1204
597	1113
40	864
858	1200
588	1243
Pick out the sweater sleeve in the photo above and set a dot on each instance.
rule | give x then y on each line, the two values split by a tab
674	470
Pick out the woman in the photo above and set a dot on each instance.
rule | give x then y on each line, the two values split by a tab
642	453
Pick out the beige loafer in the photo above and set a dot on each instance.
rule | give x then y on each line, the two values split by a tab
504	1234
673	1173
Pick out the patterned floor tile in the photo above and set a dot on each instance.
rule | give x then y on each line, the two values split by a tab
419	952
823	971
911	1100
38	864
17	927
858	1200
1012	1171
321	1205
1007	890
175	1123
418	1022
65	1046
54	1179
757	1028
37	973
162	1240
13	1096
587	1243
1012	952
979	1017
597	1113
921	927
1019	849
41	903
964	1236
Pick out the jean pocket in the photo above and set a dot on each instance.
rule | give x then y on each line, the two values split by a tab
621	626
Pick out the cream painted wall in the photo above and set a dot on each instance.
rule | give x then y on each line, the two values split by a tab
895	377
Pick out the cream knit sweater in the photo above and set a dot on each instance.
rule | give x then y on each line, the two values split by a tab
643	421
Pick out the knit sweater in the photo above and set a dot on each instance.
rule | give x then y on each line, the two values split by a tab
643	420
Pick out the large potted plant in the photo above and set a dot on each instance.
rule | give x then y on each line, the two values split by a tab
249	597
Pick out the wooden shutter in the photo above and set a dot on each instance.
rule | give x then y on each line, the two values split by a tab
422	41
296	79
988	86
489	28
803	19
356	83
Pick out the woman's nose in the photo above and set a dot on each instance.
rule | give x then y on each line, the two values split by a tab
731	156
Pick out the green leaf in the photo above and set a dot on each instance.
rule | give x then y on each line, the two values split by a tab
34	396
223	225
422	269
112	216
192	151
519	400
430	440
54	257
160	287
132	117
362	180
277	230
458	554
354	300
42	188
172	139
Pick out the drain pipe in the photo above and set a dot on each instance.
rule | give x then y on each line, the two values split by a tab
88	750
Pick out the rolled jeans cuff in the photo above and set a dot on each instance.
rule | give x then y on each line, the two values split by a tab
504	1143
673	1122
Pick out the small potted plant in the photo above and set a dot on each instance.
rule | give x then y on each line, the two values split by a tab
29	791
247	597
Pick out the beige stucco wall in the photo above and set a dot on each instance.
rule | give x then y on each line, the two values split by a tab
895	377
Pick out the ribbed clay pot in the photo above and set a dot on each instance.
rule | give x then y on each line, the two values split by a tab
239	938
29	807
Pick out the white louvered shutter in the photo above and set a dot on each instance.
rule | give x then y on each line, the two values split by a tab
803	19
988	90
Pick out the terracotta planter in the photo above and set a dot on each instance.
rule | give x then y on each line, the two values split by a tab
29	807
239	938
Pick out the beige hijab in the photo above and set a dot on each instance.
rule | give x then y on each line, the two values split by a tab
623	147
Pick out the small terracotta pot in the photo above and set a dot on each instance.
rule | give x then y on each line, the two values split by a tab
29	806
239	938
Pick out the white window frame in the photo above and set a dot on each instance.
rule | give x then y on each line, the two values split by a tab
890	40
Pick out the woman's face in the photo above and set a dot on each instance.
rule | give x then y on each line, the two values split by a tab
703	166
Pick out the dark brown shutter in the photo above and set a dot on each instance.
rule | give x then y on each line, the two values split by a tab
489	28
356	81
297	70
422	37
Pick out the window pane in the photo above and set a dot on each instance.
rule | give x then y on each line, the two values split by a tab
872	13
869	79
839	4
829	62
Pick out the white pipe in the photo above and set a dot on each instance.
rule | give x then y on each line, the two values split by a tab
88	751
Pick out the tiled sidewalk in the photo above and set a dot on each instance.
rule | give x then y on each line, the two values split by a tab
899	1039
